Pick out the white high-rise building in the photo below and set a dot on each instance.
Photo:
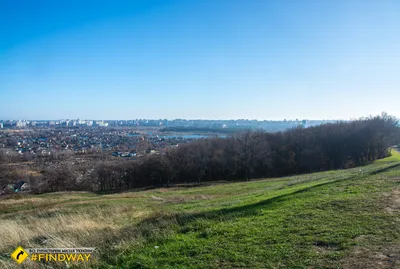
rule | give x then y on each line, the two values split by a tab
20	124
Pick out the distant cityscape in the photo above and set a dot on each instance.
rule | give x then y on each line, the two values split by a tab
212	124
27	140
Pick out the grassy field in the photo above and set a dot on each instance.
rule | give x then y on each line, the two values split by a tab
335	219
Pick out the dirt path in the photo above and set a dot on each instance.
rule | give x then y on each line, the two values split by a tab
369	255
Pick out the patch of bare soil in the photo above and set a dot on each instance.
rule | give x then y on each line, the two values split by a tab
370	256
157	198
364	258
392	202
187	198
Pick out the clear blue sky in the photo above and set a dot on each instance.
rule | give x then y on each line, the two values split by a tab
215	59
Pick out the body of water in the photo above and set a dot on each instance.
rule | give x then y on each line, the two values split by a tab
191	136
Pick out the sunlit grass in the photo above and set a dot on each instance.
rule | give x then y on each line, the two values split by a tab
307	221
395	157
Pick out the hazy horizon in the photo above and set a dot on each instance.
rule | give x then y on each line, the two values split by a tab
199	59
171	119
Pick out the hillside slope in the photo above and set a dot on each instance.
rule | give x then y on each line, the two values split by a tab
336	219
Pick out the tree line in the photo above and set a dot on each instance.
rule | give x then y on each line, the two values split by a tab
257	154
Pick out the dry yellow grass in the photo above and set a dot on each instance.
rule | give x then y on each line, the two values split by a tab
61	225
62	229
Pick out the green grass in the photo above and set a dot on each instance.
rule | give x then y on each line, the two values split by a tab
335	219
313	224
395	157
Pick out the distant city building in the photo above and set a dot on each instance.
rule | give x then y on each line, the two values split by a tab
20	124
1	125
101	123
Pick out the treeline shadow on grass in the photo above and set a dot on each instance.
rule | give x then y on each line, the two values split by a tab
385	169
159	225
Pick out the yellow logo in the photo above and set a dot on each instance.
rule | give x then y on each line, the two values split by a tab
19	255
